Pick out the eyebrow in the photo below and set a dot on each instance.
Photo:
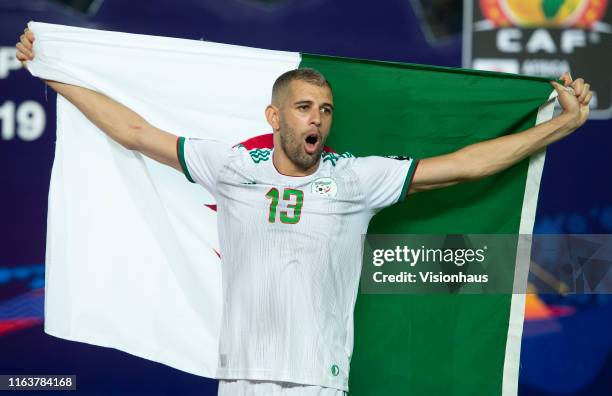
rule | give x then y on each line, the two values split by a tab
310	102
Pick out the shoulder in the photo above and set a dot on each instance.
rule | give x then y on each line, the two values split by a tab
382	161
258	149
255	155
374	167
337	159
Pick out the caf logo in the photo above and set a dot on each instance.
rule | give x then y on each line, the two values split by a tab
544	13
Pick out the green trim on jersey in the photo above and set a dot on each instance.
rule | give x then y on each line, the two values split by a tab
408	180
180	150
260	155
334	157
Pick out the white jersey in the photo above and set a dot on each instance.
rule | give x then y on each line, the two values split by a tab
291	255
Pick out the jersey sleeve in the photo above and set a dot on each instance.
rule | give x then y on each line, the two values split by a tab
202	159
385	180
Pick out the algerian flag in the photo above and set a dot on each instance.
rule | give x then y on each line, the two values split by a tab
132	247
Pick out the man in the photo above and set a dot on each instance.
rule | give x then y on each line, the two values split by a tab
291	216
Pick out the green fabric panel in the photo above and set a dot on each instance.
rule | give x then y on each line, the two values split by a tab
432	344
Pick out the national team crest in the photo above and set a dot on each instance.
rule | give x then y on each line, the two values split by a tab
325	186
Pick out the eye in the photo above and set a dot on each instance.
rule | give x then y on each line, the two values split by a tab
326	110
303	107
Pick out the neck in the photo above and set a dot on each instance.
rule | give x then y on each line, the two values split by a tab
286	167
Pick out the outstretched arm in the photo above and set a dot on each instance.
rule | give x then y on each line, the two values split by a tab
489	157
122	124
119	122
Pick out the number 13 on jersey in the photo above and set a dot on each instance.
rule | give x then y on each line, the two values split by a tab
296	199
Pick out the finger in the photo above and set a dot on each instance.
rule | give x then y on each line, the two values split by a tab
567	79
585	91
29	34
578	86
587	99
558	87
23	50
21	57
561	90
30	48
25	42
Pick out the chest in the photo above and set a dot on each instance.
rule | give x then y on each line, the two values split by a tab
318	202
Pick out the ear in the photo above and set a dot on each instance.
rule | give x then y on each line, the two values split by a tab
272	117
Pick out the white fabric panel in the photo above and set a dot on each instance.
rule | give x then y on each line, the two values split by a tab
512	357
130	261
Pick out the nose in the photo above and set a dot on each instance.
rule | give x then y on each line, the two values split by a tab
315	116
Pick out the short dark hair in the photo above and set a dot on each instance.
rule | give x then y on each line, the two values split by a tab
306	74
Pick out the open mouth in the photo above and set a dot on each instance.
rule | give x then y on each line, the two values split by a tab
311	143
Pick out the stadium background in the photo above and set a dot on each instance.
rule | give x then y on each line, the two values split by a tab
567	342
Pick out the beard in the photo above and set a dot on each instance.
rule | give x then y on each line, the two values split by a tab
293	145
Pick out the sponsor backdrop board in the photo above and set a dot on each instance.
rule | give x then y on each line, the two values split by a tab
543	38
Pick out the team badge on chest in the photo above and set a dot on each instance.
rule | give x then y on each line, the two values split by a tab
324	186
